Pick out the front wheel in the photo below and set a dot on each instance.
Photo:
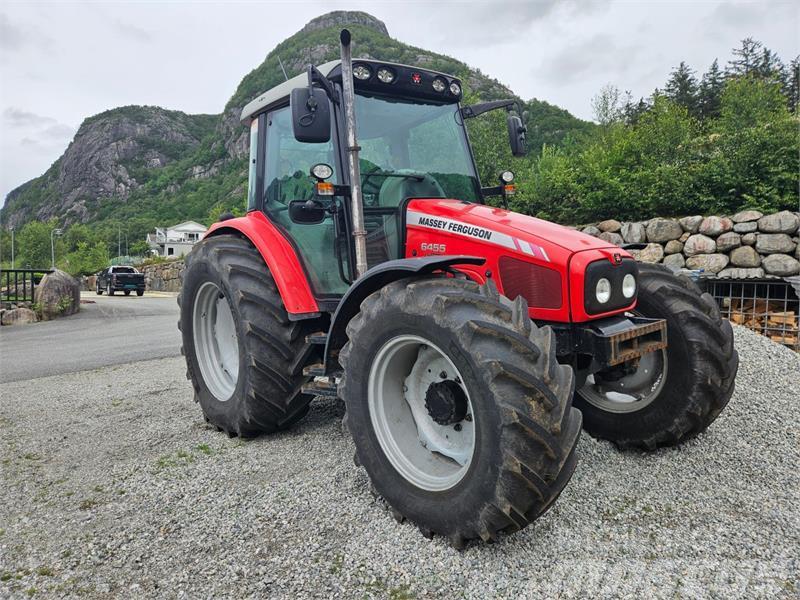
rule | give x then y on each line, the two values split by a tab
140	292
459	412
97	289
673	394
127	292
109	290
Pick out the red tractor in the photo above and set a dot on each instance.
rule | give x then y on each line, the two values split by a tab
469	343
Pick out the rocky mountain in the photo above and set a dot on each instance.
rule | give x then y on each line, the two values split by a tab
149	166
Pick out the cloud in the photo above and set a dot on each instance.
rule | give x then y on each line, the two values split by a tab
11	37
598	53
37	130
17	117
133	32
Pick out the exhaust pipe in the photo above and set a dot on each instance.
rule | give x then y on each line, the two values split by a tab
356	206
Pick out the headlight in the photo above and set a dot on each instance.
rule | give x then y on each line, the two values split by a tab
385	75
455	89
629	285
321	171
361	72
507	176
439	84
603	290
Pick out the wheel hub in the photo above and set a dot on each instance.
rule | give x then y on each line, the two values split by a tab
446	402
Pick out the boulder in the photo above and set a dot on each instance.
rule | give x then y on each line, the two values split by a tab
634	233
684	237
781	222
673	247
18	316
652	253
745	256
699	244
675	261
749	239
609	225
772	243
782	265
715	226
748	227
58	295
737	273
591	230
728	241
747	216
611	238
714	263
691	224
663	230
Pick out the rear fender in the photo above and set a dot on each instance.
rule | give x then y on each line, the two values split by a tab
281	259
373	280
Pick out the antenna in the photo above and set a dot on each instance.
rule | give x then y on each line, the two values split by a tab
280	62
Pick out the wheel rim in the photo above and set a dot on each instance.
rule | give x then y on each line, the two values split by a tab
431	455
631	393
215	341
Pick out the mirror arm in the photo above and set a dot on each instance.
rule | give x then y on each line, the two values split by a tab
315	76
469	112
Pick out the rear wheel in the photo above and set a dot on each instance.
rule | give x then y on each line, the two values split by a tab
127	292
672	394
244	356
97	289
109	290
140	292
459	412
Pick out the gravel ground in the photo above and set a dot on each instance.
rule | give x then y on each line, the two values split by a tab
113	485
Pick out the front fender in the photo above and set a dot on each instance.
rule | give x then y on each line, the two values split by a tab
373	280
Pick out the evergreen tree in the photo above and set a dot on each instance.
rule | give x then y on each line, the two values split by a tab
747	60
710	91
681	88
792	85
633	111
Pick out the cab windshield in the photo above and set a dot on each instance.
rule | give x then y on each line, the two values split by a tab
411	149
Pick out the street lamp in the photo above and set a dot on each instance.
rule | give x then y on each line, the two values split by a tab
54	232
12	248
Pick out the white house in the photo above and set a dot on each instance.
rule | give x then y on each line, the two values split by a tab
176	240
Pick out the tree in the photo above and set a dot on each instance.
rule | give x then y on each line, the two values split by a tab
792	86
607	105
681	88
33	243
748	58
86	259
140	248
709	94
633	112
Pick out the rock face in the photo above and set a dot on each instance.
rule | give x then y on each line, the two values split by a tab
769	243
18	316
663	230
342	17
58	295
782	265
164	277
782	222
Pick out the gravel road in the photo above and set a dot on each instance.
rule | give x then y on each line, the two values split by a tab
114	486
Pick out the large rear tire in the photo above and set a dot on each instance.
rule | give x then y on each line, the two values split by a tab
244	356
673	394
459	412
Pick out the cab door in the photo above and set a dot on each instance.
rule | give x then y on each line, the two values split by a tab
287	164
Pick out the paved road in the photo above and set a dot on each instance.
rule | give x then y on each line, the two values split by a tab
111	331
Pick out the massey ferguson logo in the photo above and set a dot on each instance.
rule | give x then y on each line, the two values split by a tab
617	258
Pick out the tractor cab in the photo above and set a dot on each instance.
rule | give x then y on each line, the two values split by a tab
412	144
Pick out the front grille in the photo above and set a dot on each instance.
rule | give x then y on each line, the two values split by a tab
540	286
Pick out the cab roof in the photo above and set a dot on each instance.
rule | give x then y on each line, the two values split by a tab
282	91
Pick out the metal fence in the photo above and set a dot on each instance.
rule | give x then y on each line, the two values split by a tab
770	307
19	285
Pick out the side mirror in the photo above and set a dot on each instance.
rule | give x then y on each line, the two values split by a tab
516	135
306	212
311	115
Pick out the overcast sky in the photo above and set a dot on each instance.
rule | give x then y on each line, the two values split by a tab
61	62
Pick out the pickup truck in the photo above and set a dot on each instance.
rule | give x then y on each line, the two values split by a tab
120	279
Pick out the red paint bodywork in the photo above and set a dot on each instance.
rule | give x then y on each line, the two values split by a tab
282	261
569	251
564	250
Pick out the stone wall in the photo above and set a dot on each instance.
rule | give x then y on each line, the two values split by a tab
163	277
747	244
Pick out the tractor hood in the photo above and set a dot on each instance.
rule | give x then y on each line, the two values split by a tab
513	224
